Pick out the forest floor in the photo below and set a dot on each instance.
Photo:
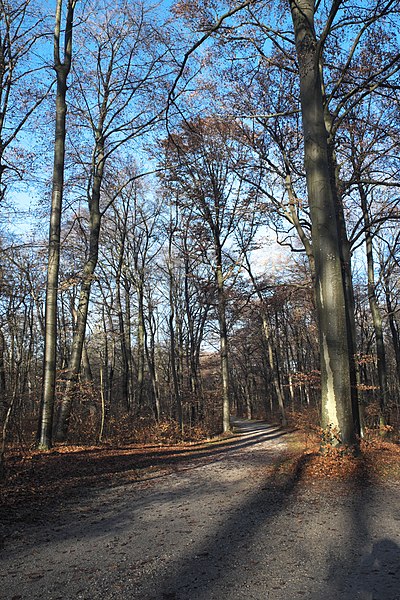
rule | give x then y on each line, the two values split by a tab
255	516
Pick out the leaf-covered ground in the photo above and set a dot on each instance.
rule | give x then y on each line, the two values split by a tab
42	477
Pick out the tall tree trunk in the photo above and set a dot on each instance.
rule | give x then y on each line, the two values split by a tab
3	387
84	296
345	255
223	336
126	374
86	368
62	69
141	338
151	361
336	397
171	323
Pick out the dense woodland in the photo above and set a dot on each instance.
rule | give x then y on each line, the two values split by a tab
213	221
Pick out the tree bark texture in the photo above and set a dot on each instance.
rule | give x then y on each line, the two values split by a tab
337	413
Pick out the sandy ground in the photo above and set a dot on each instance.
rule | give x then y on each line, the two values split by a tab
214	529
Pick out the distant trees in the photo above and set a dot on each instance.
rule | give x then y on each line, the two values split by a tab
203	168
159	305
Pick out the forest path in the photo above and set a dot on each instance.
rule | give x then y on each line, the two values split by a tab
229	526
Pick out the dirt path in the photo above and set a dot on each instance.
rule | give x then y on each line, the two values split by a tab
227	527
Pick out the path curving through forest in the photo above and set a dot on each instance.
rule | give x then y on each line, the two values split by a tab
230	525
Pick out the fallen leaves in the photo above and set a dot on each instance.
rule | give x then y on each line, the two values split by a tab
377	462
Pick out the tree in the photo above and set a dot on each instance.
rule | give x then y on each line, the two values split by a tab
62	67
332	75
115	102
329	286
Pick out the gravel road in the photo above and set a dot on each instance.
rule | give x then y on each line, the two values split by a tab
214	529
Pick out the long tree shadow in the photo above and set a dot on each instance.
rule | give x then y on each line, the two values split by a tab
195	576
279	542
366	563
52	479
224	566
348	549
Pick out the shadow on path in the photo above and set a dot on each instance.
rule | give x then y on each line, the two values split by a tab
366	563
270	539
347	547
52	479
233	564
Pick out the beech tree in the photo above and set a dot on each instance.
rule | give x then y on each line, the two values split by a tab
288	119
62	67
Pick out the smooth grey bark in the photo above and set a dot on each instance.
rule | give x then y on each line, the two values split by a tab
346	260
62	69
336	397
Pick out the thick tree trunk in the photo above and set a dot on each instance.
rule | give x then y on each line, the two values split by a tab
49	363
345	256
336	397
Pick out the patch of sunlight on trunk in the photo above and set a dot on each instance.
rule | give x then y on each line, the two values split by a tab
330	402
